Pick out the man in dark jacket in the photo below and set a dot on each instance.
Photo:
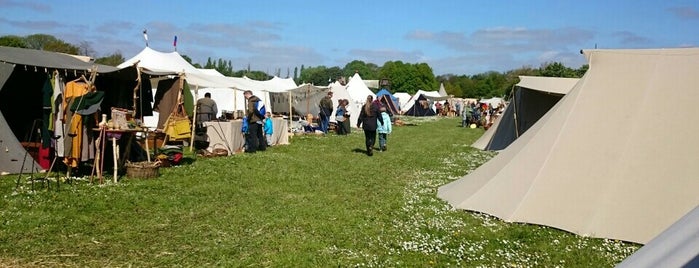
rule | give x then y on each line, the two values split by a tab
206	109
255	138
367	120
326	109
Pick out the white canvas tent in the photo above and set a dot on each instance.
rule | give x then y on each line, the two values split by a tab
442	92
607	160
493	102
357	91
532	97
431	95
210	80
403	98
304	99
677	246
340	92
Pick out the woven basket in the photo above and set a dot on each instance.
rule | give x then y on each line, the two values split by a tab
143	170
219	150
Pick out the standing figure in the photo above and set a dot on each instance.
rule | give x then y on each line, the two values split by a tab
256	138
326	109
206	109
347	124
368	121
268	128
383	128
340	118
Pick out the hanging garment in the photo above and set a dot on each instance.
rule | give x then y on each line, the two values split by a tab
57	115
74	123
46	93
144	107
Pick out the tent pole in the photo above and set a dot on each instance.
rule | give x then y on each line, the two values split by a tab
235	104
194	118
513	101
291	115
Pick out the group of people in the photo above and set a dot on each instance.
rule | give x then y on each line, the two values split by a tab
374	119
257	124
342	117
258	129
482	114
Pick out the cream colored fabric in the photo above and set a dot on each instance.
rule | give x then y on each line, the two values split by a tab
617	157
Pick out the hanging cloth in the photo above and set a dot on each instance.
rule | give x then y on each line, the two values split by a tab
74	136
46	93
57	115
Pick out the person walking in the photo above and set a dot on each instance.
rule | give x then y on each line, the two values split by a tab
256	137
368	119
326	109
383	128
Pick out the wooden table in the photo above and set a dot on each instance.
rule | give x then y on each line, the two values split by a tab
114	135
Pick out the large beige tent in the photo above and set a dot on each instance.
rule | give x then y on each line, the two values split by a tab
532	97
615	158
677	246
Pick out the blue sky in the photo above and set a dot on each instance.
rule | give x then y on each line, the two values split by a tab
452	36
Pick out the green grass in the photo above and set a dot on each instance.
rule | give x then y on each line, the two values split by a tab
313	203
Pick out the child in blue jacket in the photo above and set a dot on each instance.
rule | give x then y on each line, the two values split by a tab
383	129
268	129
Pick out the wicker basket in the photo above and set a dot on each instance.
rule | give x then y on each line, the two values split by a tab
143	170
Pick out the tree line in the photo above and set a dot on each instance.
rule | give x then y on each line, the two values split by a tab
402	77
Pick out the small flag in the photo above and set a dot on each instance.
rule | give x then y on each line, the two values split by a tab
174	43
145	36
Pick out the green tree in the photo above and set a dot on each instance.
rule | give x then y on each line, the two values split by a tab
85	48
13	41
39	41
111	60
188	59
409	77
557	69
51	43
582	70
368	71
512	77
63	47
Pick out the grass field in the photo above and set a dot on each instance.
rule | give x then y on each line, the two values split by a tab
314	203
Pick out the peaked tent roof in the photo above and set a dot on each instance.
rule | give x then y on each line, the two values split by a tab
389	99
442	92
172	62
532	97
403	98
357	90
17	60
340	92
49	60
419	110
431	95
598	170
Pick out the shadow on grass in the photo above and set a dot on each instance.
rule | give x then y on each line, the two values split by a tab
358	150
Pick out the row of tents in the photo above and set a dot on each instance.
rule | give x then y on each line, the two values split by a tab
24	72
611	155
